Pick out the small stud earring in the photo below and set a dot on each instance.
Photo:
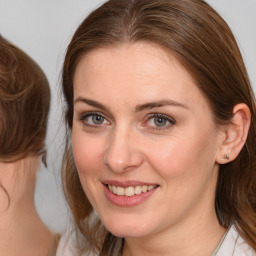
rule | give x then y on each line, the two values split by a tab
226	156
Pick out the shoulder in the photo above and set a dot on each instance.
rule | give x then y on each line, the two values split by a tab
235	245
68	246
54	245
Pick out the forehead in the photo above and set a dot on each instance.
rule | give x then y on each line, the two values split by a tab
138	58
134	73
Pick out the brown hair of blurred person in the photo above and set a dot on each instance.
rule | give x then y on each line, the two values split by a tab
24	108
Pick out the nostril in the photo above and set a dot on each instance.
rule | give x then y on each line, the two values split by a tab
122	153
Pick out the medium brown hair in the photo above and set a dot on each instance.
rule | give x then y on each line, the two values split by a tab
24	104
203	43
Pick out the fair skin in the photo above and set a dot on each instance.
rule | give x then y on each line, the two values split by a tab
22	232
139	119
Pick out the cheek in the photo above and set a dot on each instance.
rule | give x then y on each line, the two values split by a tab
179	156
87	151
170	158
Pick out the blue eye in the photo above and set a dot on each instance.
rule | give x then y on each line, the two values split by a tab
160	121
96	119
93	119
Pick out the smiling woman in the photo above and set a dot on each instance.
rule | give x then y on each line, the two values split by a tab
161	156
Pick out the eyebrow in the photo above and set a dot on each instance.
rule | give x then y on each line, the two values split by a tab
146	106
92	103
159	104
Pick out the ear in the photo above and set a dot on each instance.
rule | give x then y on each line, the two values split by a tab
235	134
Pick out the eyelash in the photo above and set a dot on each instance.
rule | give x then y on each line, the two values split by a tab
165	118
83	117
170	121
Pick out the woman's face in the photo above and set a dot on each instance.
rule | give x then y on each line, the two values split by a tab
144	140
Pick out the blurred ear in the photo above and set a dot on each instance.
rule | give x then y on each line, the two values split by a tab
235	134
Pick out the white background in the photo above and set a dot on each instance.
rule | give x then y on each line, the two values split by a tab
43	28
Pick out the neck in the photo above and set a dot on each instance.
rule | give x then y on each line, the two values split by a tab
18	216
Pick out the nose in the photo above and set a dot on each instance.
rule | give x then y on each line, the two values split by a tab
122	153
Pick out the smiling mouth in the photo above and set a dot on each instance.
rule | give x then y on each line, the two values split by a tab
130	191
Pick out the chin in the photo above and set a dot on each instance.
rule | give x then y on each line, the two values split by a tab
127	228
128	233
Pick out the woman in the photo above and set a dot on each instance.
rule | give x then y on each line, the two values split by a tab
160	156
24	107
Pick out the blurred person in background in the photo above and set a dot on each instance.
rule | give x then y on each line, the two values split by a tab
24	108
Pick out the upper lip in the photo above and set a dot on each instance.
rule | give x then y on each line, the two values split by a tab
128	183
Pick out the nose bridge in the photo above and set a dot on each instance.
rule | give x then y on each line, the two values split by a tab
122	152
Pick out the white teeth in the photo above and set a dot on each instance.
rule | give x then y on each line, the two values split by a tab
138	190
120	191
150	187
114	190
130	191
144	189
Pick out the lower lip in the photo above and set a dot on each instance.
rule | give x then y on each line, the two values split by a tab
127	201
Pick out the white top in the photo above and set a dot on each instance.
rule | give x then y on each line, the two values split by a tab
232	245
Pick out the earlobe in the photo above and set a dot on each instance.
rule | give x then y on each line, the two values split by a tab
235	134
